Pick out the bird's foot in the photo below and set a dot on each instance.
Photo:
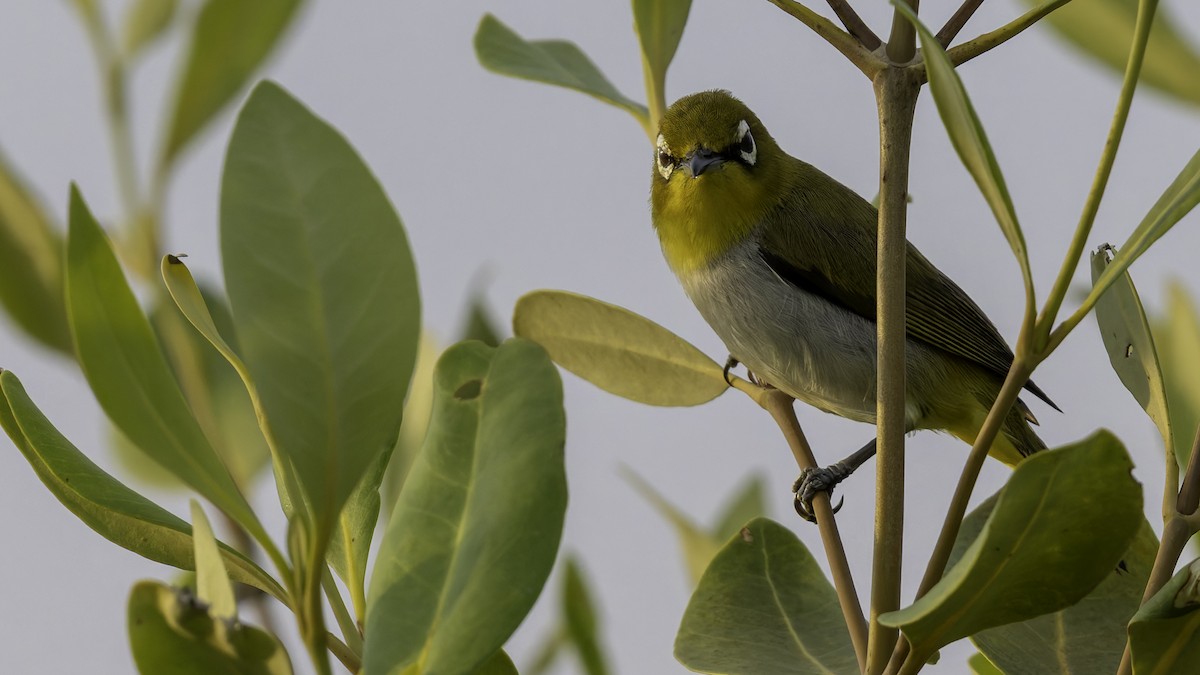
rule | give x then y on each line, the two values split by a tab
730	364
814	481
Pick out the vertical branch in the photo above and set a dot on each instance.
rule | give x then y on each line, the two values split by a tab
902	43
896	92
779	405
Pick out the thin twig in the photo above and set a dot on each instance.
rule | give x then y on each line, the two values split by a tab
847	44
948	32
779	405
972	48
855	25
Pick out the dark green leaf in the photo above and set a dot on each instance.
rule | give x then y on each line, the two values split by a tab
582	625
1104	29
103	503
1060	526
31	265
324	294
479	324
476	528
145	22
171	633
499	664
1164	635
619	351
129	375
230	40
555	62
1130	346
764	607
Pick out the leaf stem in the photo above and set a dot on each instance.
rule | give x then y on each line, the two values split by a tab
1145	18
902	43
960	18
896	91
351	661
847	44
988	41
855	25
779	405
345	622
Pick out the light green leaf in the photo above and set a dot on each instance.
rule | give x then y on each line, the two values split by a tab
764	607
476	528
698	546
351	542
31	265
659	25
1164	636
745	505
1176	202
323	291
1104	29
1177	335
103	503
1130	346
969	139
212	581
145	22
980	665
1087	637
129	375
1060	526
170	633
556	62
547	653
230	40
619	351
582	625
417	409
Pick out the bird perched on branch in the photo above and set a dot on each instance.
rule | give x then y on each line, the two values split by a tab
780	260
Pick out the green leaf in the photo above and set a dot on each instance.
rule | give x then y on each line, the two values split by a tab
697	546
1177	335
479	324
980	665
547	653
351	543
230	40
145	22
764	607
1164	636
659	25
1087	637
1176	202
619	351
31	265
969	139
499	664
103	503
212	581
556	62
1130	345
417	409
171	633
323	291
1104	29
129	375
745	505
476	528
582	625
1060	526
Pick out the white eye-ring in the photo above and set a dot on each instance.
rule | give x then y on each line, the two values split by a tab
663	158
746	147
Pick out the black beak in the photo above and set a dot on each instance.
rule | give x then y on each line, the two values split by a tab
700	160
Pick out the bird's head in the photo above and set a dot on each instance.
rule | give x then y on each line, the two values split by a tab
716	172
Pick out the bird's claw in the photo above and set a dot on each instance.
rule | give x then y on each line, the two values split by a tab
730	364
813	482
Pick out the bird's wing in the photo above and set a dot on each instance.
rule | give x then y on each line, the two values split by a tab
831	250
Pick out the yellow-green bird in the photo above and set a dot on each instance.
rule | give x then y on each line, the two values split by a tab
780	260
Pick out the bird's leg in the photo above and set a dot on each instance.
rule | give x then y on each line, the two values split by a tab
730	364
813	481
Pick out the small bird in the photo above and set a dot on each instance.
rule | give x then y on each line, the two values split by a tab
780	260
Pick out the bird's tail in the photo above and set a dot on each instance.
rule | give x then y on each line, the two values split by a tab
1016	440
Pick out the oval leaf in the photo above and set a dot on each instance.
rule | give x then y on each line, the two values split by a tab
1130	345
103	503
764	607
171	633
969	139
230	40
1177	335
659	25
1164	636
323	291
476	527
556	62
1060	526
31	265
1104	30
619	351
212	581
128	373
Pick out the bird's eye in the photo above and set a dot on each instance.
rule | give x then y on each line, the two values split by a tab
746	147
666	162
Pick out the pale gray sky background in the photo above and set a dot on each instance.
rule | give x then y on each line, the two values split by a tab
546	188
